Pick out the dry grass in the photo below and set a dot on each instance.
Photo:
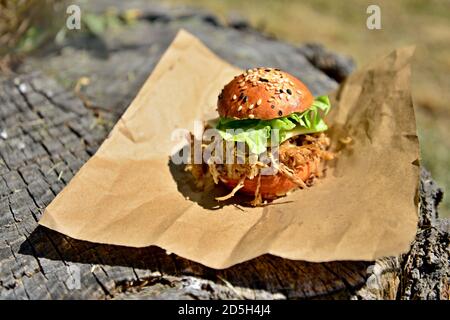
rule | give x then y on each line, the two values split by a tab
341	26
24	24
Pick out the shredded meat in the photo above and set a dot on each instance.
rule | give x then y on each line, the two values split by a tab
299	150
293	154
232	193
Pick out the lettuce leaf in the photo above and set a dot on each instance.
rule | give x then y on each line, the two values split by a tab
256	133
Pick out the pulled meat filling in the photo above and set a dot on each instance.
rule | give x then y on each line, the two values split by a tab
292	154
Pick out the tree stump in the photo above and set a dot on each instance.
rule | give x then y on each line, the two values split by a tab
47	132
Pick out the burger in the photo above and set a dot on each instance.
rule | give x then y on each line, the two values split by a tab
281	126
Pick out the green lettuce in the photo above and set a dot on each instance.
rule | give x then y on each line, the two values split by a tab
256	133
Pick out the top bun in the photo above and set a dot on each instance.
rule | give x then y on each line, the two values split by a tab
263	93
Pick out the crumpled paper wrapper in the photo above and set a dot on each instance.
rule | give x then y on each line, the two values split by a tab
130	194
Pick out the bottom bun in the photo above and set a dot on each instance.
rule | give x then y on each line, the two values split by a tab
273	186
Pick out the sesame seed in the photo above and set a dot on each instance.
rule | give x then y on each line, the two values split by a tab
234	97
299	92
263	80
289	91
272	106
245	99
280	113
267	70
258	102
251	106
251	116
239	108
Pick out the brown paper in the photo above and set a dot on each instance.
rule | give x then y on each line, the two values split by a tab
128	193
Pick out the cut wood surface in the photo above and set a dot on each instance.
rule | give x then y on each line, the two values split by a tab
47	132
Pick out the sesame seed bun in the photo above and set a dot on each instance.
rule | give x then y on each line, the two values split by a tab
263	93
